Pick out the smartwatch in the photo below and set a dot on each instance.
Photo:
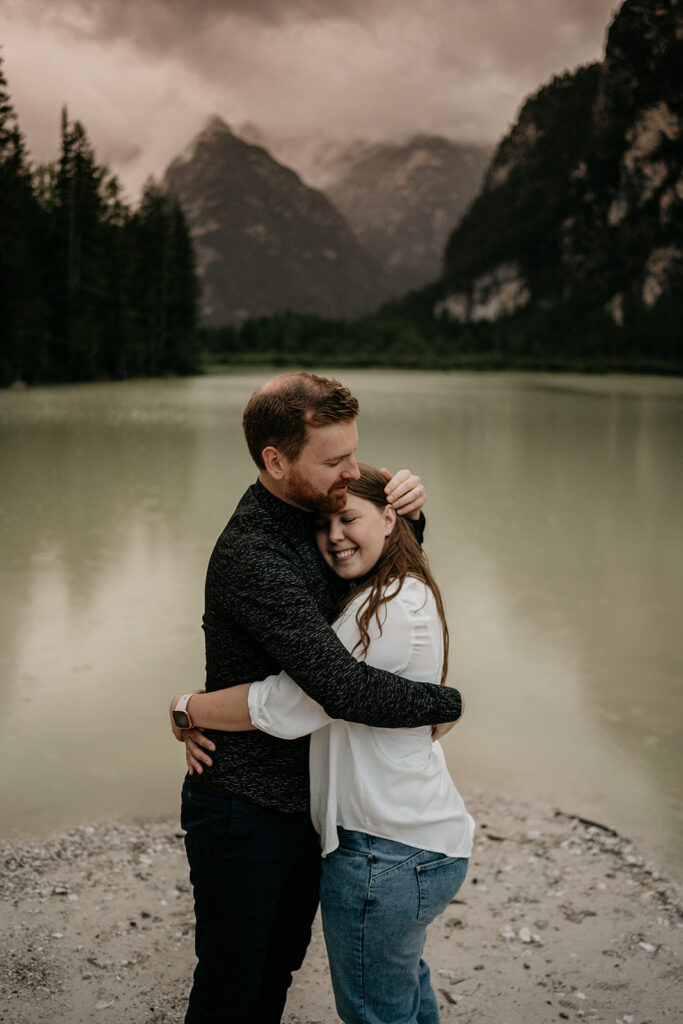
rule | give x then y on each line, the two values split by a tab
181	716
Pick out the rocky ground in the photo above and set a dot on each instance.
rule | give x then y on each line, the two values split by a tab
559	919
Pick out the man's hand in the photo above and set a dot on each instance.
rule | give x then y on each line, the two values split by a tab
196	745
405	492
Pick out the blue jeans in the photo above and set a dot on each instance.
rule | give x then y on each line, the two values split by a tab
255	876
377	898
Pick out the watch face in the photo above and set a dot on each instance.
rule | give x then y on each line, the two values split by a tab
181	719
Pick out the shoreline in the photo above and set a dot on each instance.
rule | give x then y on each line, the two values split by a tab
560	918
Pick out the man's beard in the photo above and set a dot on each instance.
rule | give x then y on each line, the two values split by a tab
300	491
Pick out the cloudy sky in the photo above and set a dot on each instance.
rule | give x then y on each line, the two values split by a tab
143	75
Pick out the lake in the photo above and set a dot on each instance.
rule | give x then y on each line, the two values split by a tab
554	530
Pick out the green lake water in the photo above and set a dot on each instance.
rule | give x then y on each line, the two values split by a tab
554	529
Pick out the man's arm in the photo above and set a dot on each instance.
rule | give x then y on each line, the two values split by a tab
267	596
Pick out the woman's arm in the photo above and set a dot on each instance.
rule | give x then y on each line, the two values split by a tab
226	710
275	705
278	706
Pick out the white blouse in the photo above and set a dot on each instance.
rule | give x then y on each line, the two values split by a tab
391	783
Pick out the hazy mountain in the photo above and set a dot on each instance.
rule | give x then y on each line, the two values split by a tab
321	160
265	241
403	201
582	207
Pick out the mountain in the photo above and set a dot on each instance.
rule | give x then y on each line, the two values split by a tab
401	199
581	212
322	160
265	241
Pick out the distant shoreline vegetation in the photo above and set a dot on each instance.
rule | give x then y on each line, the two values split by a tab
547	343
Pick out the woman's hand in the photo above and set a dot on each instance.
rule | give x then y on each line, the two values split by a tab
178	732
405	492
196	746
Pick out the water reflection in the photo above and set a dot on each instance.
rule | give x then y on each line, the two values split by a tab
553	528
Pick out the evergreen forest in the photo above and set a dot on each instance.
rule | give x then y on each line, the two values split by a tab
89	288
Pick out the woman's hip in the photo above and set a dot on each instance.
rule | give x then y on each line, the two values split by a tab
370	873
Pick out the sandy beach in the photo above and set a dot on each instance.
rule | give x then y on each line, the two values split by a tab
559	919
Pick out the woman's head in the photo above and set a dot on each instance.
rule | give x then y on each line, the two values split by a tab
368	542
352	540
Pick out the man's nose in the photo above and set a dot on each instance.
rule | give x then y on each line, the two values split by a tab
352	471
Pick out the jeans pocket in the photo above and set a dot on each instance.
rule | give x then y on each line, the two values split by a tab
437	883
205	813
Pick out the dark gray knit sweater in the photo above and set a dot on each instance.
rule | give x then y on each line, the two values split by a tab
268	603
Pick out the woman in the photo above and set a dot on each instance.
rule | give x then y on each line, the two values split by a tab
394	831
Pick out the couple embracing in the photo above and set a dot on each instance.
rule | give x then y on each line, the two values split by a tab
318	588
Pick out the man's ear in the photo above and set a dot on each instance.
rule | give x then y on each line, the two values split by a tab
389	519
274	462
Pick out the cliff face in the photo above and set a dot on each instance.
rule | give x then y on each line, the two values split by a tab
265	241
582	206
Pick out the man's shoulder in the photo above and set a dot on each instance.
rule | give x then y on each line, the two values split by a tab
249	516
250	531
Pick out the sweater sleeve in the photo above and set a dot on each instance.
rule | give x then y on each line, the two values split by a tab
269	600
409	642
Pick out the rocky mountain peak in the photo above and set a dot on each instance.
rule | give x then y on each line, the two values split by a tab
265	241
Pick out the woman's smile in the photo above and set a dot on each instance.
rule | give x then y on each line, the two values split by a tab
343	556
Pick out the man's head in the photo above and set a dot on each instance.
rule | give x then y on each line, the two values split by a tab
301	433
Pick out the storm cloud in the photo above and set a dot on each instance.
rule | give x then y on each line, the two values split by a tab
143	76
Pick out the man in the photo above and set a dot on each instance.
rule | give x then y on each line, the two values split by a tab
254	858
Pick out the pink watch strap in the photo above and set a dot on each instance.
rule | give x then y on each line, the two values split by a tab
183	702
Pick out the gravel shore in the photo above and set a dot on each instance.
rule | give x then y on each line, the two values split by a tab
559	919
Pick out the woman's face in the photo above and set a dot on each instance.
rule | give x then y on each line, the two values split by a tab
352	540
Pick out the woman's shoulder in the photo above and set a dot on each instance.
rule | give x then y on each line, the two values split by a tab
414	592
401	601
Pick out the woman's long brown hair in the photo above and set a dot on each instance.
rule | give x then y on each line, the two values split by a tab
402	556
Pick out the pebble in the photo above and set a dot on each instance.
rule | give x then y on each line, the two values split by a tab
647	946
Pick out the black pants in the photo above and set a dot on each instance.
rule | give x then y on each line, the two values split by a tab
255	874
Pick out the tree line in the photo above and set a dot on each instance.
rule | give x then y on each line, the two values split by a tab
89	288
406	335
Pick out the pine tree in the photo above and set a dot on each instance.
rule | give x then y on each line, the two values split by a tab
20	305
183	296
80	292
162	287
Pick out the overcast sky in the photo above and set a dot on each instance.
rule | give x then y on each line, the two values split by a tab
143	75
